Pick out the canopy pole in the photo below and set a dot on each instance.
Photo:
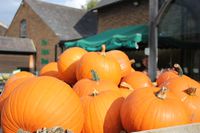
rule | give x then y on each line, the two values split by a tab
153	39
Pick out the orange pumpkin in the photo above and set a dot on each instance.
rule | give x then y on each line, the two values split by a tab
18	75
51	69
122	59
152	108
137	80
43	102
9	88
67	63
85	87
106	67
188	91
102	112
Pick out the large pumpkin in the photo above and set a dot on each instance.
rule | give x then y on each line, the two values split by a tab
18	75
85	87
67	63
9	88
122	59
102	112
51	69
137	80
188	91
125	89
106	67
151	108
43	102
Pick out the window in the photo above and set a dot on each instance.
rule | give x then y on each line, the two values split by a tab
23	29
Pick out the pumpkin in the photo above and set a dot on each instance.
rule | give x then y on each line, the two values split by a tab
106	67
122	59
169	74
137	80
67	63
18	75
9	88
51	69
188	91
43	102
125	89
102	112
151	108
85	87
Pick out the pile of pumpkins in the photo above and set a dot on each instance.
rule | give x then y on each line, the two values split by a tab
97	92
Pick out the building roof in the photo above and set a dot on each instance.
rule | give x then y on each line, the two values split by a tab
11	45
4	26
104	3
67	23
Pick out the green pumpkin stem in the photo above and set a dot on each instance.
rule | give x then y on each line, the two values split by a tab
95	76
191	91
94	93
178	68
162	93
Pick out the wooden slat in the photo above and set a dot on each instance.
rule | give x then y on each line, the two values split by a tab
190	128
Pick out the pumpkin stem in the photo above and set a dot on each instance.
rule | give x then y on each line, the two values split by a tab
191	91
126	85
162	93
132	61
103	50
94	93
95	76
178	68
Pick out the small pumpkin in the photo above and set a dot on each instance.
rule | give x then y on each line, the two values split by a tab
51	69
106	67
151	108
85	87
43	102
102	112
67	63
137	80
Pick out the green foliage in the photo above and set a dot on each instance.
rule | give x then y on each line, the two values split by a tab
90	4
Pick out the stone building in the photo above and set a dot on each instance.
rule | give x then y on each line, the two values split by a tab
3	29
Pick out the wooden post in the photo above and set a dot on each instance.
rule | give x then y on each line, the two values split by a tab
153	39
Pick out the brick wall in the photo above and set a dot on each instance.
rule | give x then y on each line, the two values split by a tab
42	36
122	14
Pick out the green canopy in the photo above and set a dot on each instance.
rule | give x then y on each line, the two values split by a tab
126	37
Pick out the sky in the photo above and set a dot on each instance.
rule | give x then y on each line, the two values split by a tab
8	8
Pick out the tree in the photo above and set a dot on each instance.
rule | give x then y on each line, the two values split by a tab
90	4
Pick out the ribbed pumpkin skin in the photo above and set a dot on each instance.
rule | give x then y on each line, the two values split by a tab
9	88
18	75
137	80
164	76
51	69
106	67
67	63
85	87
102	112
192	102
142	110
122	59
43	102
